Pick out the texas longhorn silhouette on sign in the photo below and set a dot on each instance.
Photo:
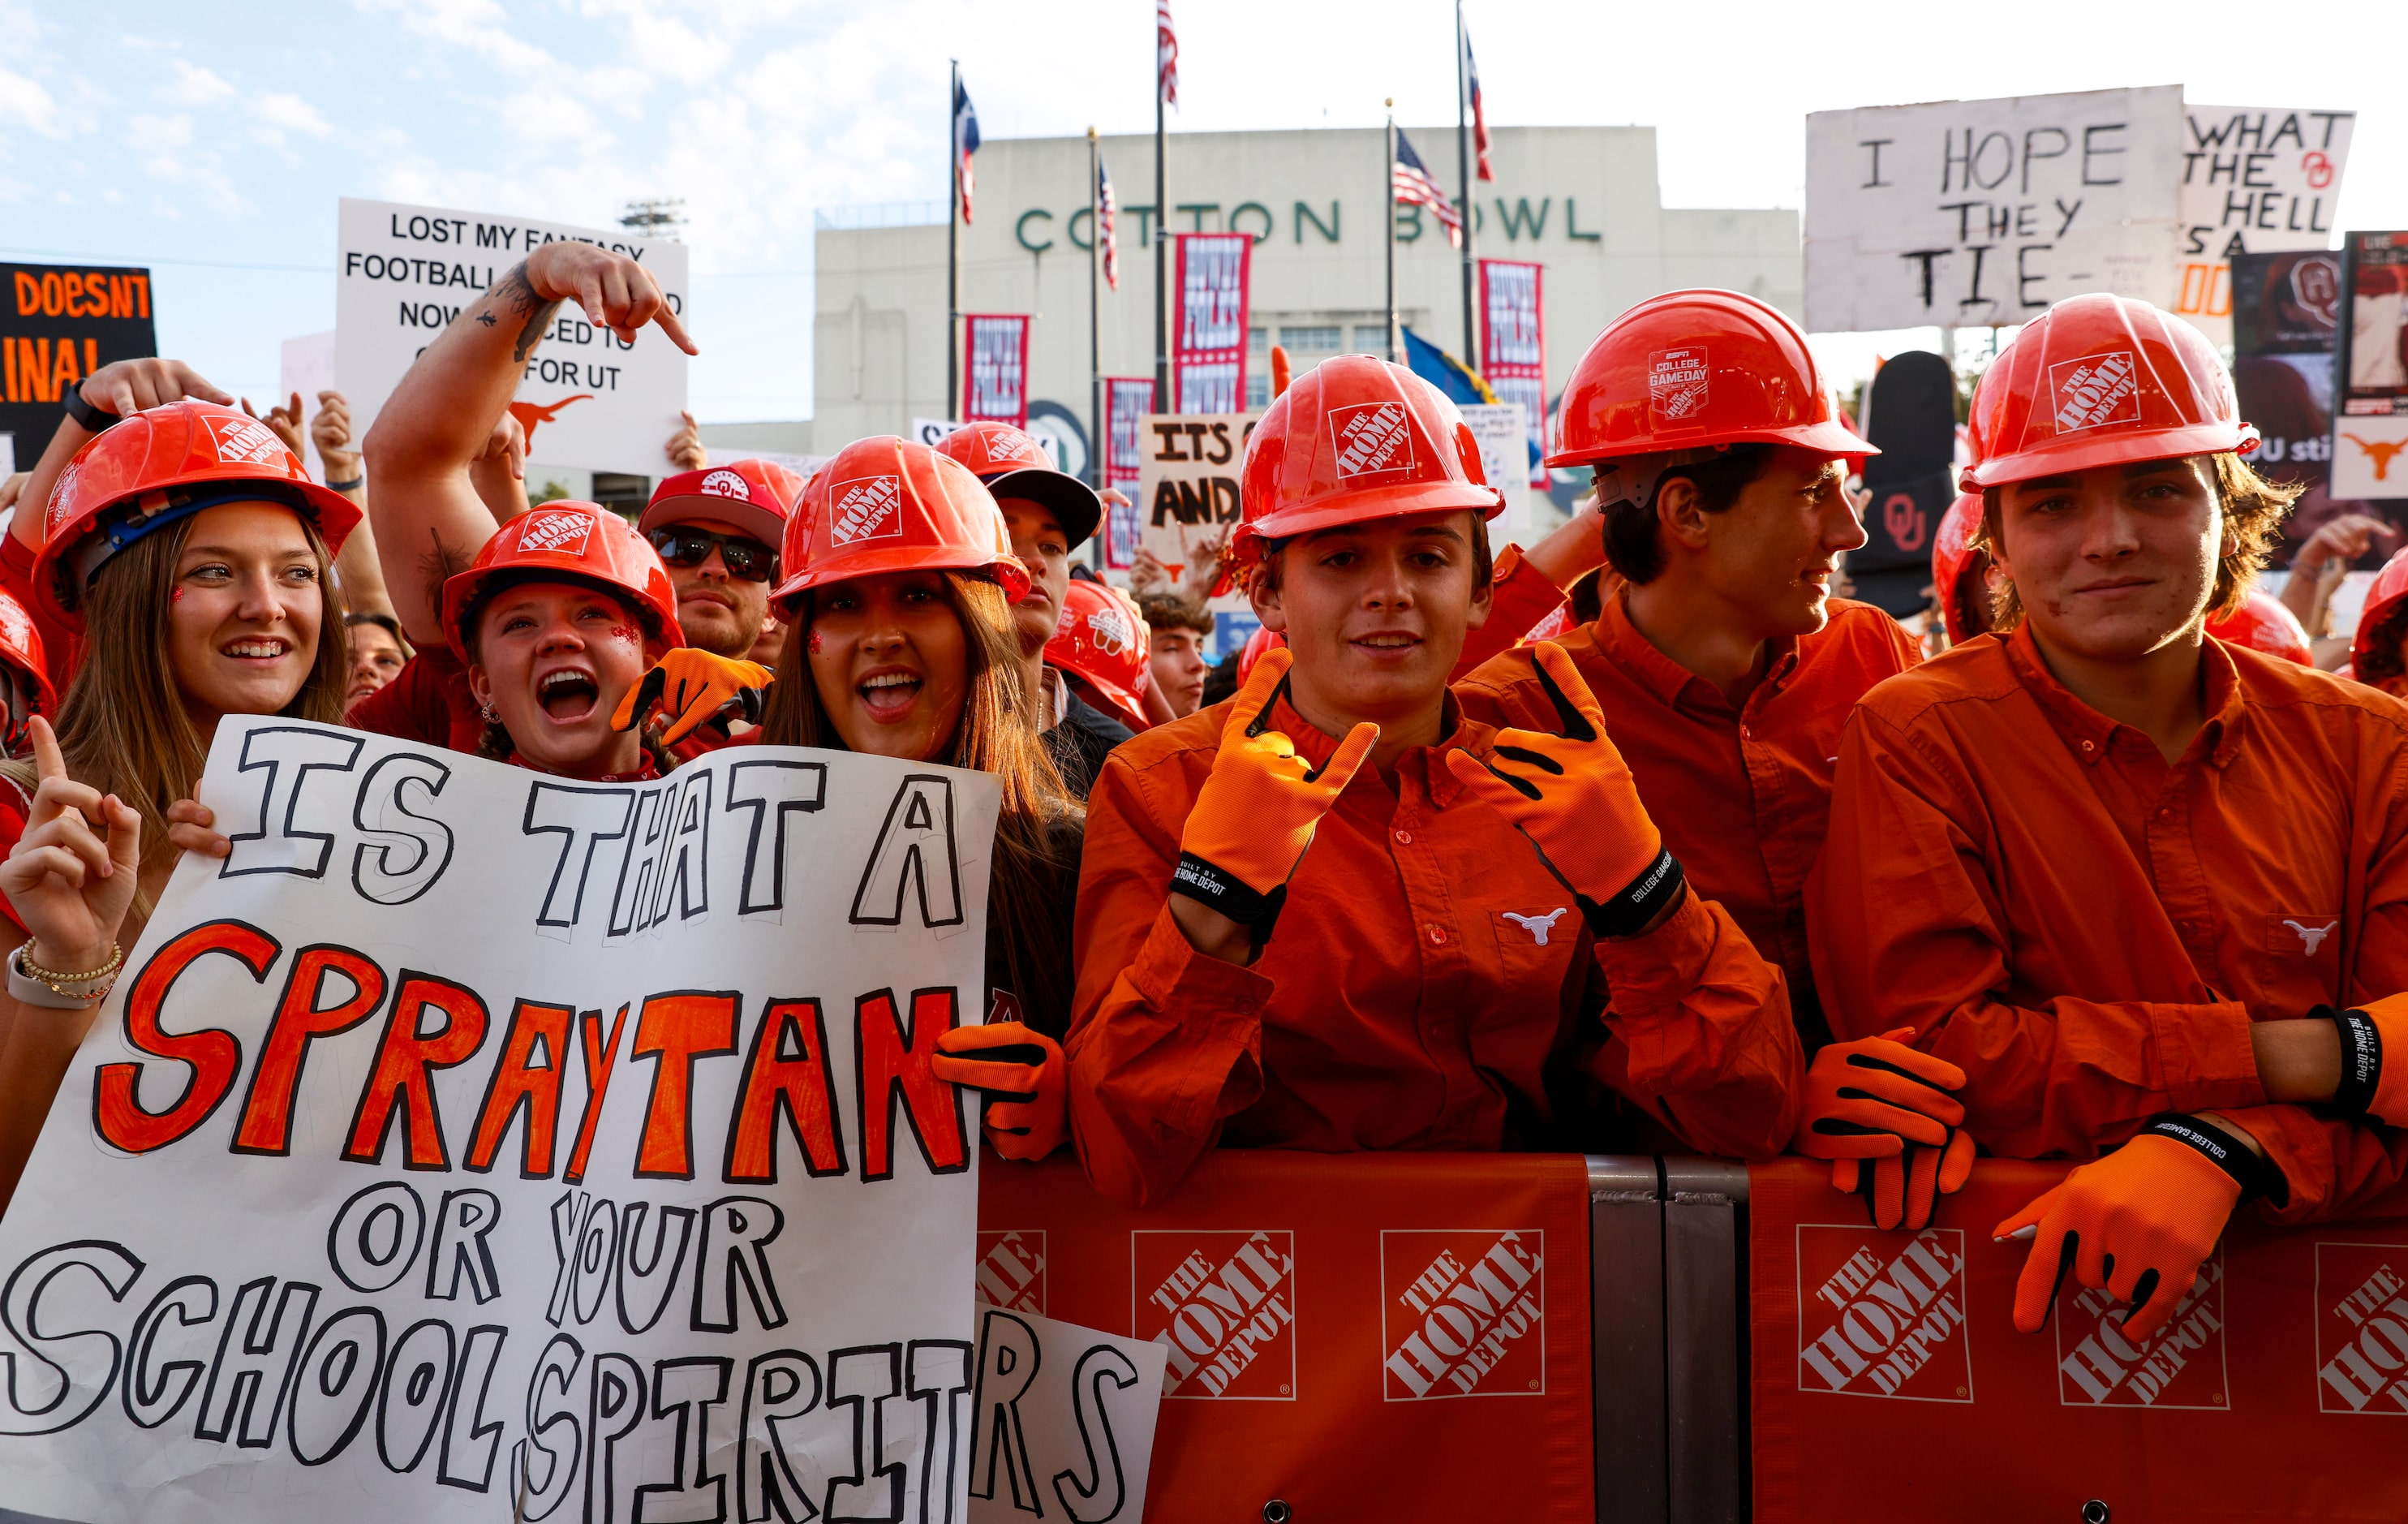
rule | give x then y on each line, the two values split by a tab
529	415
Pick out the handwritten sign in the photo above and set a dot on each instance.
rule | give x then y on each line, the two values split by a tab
477	1143
2256	180
1985	212
1063	1420
1188	468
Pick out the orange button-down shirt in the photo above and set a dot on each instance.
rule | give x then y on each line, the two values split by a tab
1740	793
2089	930
1426	980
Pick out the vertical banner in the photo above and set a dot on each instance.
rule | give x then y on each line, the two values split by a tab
473	1144
1127	399
1513	346
2256	180
996	389
2370	426
58	324
1208	362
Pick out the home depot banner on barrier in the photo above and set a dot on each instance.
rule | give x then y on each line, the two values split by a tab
1207	360
1359	1336
1890	1381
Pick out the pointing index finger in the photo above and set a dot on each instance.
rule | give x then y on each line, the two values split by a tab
48	761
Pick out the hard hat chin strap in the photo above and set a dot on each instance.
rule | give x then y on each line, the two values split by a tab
1633	478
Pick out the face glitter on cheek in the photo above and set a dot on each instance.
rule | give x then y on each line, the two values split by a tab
177	596
817	643
627	633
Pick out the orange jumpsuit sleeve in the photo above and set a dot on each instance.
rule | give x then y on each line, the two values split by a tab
1700	1035
1165	1042
1907	929
1519	598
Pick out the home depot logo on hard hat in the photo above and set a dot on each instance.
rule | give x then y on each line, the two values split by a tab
1679	382
1110	629
1005	447
1371	438
241	443
565	533
868	507
727	484
2096	390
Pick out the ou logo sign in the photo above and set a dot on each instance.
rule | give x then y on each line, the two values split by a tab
1907	524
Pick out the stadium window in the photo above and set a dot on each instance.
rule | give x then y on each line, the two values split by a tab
1318	340
1258	340
1258	389
1372	338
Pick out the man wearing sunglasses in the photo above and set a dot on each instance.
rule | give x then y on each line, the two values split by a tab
718	530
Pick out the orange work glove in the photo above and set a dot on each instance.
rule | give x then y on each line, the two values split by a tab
696	686
1901	1190
1007	1060
1871	1098
1256	812
2368	1088
2138	1222
1574	799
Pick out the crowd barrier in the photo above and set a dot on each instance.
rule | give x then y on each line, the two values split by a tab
1635	1339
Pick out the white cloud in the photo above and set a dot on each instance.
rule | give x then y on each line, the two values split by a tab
278	113
26	103
192	85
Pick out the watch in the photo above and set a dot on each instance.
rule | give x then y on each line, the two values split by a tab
91	419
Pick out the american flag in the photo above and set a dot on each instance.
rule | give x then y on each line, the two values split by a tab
1479	109
1108	219
1409	185
966	141
1165	51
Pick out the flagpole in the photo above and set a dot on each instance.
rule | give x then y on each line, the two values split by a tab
1388	197
1095	306
1163	400
1470	212
954	246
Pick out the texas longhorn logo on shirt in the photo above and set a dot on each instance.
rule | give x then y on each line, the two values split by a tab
1371	438
2179	1366
866	508
2362	1327
240	441
727	484
1224	1305
563	533
1679	382
1011	1271
1463	1312
2096	390
1882	1314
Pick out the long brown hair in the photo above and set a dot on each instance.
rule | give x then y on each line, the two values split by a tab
999	735
122	727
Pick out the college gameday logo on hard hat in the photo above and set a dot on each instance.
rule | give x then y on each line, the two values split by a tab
2180	1366
1011	1271
1224	1305
1372	437
564	533
1882	1314
2095	391
2362	1327
1464	1312
1678	384
240	441
727	484
867	508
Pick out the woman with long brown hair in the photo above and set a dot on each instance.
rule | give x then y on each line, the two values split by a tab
193	553
899	642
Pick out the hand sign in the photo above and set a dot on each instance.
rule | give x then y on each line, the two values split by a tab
69	886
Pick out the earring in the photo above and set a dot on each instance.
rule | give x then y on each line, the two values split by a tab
487	709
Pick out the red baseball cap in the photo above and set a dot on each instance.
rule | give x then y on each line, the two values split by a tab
755	495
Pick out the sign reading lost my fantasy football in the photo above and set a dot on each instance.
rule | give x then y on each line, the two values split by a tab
1188	468
2256	181
1985	212
588	399
477	1144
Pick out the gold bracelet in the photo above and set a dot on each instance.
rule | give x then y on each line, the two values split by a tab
55	979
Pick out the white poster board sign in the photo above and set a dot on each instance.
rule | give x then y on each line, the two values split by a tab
1188	467
402	273
1503	430
307	366
1968	213
1063	1420
2256	180
478	1144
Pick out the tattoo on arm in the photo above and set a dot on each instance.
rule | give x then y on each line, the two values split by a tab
515	289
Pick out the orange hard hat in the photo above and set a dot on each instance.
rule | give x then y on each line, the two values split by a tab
567	541
755	495
1258	645
1697	371
884	504
160	466
2381	598
1103	638
2100	380
1354	440
1952	552
1014	465
2262	622
21	647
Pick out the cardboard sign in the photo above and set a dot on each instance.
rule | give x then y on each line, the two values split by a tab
1062	1420
1188	466
402	273
58	324
2256	180
1983	212
472	1140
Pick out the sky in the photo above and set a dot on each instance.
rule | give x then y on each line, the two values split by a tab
211	143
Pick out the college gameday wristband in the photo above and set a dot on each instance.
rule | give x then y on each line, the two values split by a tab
2255	1175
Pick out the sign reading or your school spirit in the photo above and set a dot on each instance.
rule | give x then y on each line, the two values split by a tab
1188	467
2255	180
1985	212
2370	425
588	398
477	1144
1063	1419
996	386
1208	358
58	324
1514	349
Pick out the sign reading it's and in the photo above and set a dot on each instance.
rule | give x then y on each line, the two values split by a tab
58	324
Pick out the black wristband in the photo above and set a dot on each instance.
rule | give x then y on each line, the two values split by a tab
1217	890
2361	1059
90	419
2256	1177
354	484
1640	901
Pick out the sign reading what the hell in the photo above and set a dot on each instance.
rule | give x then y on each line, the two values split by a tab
472	1144
588	398
1983	212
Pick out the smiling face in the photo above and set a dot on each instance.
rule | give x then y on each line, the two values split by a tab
1376	613
2115	562
1768	558
245	612
890	662
720	613
553	660
1044	548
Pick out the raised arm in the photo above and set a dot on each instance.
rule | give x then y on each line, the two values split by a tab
118	388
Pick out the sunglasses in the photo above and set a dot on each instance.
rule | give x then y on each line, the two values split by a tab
748	560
